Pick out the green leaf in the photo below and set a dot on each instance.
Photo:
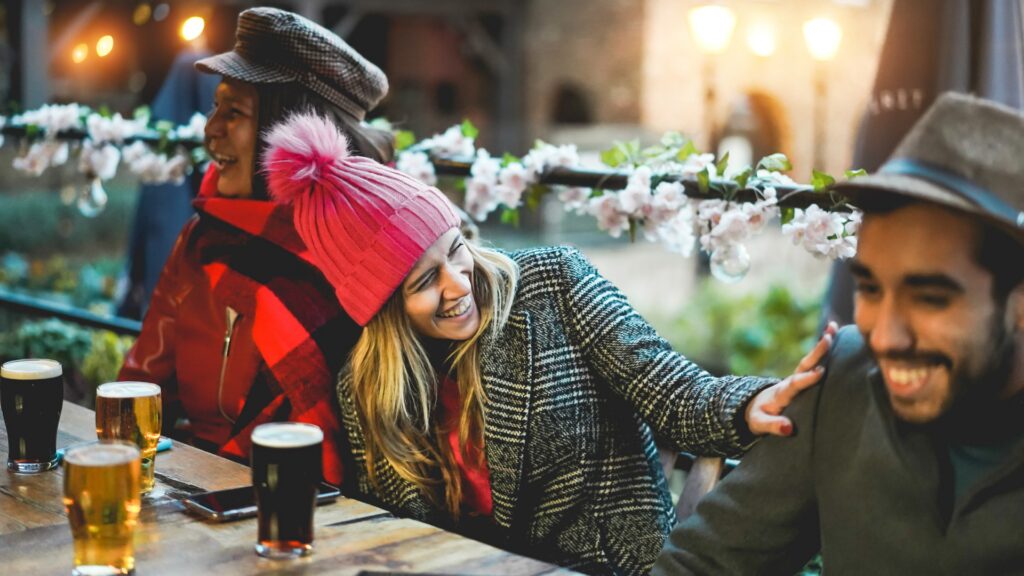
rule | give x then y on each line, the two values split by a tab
775	163
722	164
743	177
703	180
469	130
613	157
104	111
460	184
142	113
788	212
688	149
404	139
508	159
534	195
31	130
851	174
820	180
510	216
164	126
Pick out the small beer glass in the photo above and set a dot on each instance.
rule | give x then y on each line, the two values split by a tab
102	501
131	411
31	396
286	472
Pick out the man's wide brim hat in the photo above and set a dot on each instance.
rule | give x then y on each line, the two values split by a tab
965	153
274	46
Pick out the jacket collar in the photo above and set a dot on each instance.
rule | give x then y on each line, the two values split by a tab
507	366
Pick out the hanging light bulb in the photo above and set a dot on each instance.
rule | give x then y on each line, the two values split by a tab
92	199
731	263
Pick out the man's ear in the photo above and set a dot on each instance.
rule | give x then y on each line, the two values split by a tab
1015	306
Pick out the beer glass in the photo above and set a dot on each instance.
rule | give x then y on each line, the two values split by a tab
31	396
286	472
131	411
102	501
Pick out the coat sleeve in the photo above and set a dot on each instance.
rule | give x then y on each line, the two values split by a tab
763	517
686	406
152	358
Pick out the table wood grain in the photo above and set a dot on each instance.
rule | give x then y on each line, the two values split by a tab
350	536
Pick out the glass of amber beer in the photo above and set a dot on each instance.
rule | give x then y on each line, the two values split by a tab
102	500
131	411
31	396
286	472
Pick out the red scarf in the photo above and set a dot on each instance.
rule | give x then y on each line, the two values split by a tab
257	264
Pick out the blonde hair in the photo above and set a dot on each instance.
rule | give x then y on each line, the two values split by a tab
395	387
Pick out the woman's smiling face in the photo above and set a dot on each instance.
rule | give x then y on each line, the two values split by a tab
231	134
438	292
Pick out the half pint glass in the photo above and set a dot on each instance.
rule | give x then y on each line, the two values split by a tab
101	498
131	411
31	395
286	471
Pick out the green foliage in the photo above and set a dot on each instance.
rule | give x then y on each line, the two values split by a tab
510	216
704	179
788	213
851	174
469	130
404	139
821	181
96	354
105	357
775	163
63	342
765	334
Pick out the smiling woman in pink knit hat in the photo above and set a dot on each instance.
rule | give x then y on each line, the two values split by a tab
514	396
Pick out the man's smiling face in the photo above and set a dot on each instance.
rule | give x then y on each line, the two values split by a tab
927	310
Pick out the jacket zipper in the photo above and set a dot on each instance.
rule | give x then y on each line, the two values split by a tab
231	316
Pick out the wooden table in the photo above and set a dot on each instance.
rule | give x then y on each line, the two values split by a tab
350	536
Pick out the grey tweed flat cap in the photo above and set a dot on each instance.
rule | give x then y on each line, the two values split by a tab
274	46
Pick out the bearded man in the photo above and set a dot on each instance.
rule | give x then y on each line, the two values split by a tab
909	457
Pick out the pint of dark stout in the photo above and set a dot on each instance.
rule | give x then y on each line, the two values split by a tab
31	396
286	472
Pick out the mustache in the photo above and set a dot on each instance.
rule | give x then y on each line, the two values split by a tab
915	356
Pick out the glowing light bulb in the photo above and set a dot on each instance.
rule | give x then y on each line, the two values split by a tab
79	53
192	28
104	46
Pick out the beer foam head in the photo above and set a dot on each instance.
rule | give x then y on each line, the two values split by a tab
31	369
101	454
127	390
287	435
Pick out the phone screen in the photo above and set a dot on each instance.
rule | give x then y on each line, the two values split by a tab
237	503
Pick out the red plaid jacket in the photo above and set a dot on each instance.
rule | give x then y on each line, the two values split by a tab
285	350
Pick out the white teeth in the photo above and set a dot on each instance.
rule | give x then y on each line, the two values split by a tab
458	310
907	375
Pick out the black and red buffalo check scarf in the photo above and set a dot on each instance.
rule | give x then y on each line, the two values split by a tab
257	264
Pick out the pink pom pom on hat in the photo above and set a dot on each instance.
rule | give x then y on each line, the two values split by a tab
365	224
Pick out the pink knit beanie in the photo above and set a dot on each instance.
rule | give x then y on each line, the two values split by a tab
364	224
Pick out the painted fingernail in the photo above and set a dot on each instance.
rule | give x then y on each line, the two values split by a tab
786	429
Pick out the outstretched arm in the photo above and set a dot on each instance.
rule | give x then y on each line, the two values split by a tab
762	518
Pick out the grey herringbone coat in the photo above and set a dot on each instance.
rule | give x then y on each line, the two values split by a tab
575	384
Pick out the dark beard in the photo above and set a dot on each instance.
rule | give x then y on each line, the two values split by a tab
979	414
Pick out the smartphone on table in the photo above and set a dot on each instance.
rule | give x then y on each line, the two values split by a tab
238	503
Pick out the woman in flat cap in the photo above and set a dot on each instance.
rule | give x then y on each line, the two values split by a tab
512	396
241	330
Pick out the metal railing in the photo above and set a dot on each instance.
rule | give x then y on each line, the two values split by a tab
32	306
